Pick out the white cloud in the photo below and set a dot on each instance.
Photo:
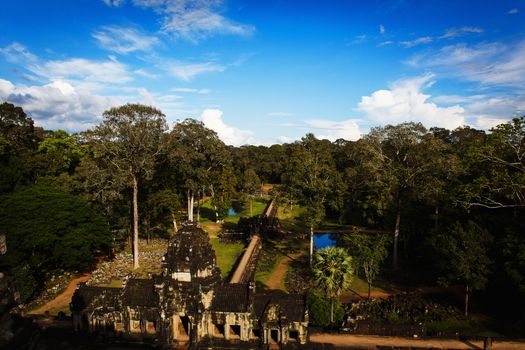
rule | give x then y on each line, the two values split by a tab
115	3
124	40
513	11
456	32
58	105
194	19
490	112
147	98
382	29
212	118
84	74
359	39
418	41
187	71
385	43
18	53
486	63
280	114
145	73
333	130
405	101
79	72
191	90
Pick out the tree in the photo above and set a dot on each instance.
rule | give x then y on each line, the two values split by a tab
462	256
368	251
197	156
250	185
59	153
401	161
333	272
48	229
311	177
501	183
127	144
17	143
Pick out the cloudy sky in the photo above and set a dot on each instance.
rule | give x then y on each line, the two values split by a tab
263	72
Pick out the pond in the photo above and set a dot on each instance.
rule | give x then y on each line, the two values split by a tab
323	240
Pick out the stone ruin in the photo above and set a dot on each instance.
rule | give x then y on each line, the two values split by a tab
188	303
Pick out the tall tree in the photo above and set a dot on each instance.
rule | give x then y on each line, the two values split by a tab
462	256
127	144
501	183
18	141
196	153
333	272
311	177
402	161
368	251
250	185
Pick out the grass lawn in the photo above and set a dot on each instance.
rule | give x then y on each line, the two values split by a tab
242	210
360	286
227	254
261	277
291	220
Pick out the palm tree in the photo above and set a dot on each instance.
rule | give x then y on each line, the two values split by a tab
333	272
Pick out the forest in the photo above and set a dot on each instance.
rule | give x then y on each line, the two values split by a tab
451	201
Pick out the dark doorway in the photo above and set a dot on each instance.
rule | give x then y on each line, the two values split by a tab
274	336
235	332
184	328
256	333
218	330
294	335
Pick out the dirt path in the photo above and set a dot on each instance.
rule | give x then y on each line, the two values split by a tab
372	342
63	299
276	279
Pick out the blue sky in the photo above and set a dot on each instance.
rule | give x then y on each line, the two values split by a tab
264	72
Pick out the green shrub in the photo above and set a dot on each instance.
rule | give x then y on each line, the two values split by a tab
319	310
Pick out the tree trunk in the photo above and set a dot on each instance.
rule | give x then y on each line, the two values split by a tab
332	310
436	219
188	197
466	300
199	199
175	229
311	245
135	223
251	206
191	205
396	238
369	289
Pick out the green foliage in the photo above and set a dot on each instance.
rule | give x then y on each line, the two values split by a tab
17	143
26	284
333	270
319	310
59	153
462	254
48	228
368	251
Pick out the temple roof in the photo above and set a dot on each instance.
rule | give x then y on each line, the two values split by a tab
291	306
190	251
231	297
140	292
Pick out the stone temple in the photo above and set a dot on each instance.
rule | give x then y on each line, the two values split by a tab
189	304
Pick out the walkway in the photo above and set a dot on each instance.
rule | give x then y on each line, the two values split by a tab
276	279
375	342
252	248
62	301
